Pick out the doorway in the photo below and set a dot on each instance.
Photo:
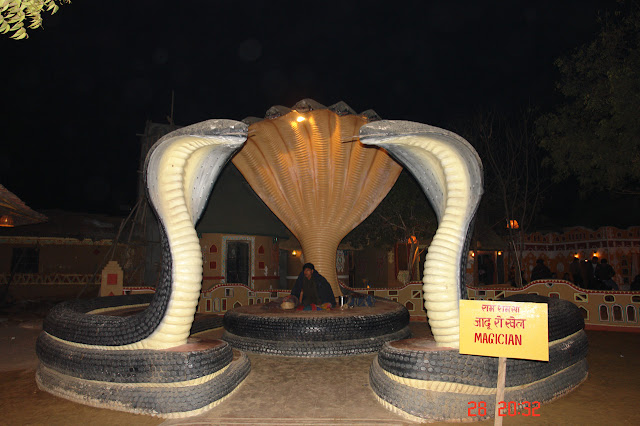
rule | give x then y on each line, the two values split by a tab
237	262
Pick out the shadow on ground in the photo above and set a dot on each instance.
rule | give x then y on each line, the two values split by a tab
299	391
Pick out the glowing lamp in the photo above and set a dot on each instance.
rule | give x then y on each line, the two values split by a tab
513	224
300	119
499	253
472	254
294	253
412	240
6	221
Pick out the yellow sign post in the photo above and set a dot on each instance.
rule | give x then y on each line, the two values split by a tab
504	330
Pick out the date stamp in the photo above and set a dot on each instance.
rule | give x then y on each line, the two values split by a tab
505	408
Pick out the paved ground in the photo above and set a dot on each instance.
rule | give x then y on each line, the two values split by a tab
332	391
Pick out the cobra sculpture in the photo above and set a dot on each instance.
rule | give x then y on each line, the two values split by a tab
147	363
423	380
449	171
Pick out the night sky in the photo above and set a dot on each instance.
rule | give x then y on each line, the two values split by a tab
76	93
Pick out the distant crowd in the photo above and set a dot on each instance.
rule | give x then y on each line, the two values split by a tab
596	274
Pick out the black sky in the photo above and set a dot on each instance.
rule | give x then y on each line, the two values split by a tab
75	94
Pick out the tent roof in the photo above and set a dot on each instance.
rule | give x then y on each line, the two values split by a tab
233	207
17	211
63	224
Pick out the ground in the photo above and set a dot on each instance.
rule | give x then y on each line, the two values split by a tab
332	391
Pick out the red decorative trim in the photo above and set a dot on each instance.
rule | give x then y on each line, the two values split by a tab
554	281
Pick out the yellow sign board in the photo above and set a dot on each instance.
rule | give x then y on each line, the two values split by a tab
504	329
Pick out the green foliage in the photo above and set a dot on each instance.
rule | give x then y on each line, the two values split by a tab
404	212
595	134
14	13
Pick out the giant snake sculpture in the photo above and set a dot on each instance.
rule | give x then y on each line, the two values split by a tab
146	363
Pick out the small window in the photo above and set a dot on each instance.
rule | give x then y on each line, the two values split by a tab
213	249
631	314
609	298
604	313
208	308
393	292
237	305
617	313
635	299
409	306
581	297
554	295
238	262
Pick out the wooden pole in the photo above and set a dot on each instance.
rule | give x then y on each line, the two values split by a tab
502	377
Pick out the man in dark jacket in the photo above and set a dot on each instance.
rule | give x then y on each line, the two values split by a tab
313	286
540	271
604	273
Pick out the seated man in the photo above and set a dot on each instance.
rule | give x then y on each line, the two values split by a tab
313	286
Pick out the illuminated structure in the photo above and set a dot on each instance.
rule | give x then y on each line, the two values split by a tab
314	174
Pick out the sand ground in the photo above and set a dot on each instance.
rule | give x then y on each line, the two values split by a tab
340	393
